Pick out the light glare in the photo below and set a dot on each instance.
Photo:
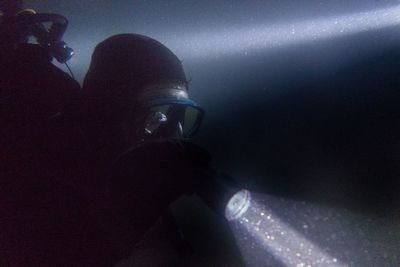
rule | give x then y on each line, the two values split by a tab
237	205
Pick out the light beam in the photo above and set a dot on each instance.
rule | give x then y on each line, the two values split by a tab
275	231
287	245
247	39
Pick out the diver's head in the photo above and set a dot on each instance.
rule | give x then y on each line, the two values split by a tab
17	25
136	91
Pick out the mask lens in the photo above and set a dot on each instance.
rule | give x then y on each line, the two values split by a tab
191	121
186	116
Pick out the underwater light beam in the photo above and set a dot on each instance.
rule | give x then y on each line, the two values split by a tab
287	245
231	41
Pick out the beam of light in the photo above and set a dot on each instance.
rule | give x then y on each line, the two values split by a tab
275	231
287	245
231	41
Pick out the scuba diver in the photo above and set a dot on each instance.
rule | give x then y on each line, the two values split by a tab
33	91
138	117
138	120
45	218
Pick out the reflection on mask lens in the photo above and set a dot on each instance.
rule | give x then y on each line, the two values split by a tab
153	122
187	117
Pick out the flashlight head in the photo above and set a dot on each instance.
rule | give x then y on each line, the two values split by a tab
237	205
